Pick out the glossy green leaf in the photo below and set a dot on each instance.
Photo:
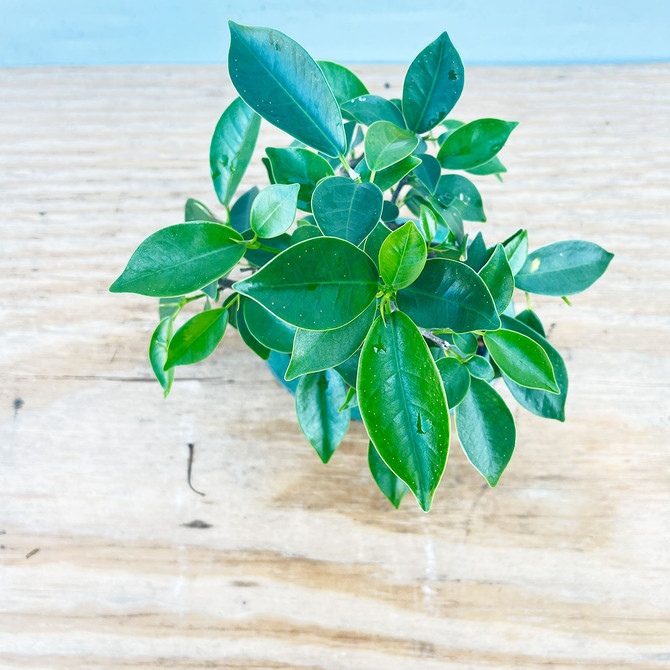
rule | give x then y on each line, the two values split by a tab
497	275
259	349
494	166
563	268
390	211
273	211
302	233
433	85
391	486
317	401
342	81
211	289
270	331
240	212
428	222
390	176
532	320
461	192
516	250
374	241
478	254
402	256
278	79
450	217
180	259
231	148
299	166
486	430
158	353
194	210
346	209
403	404
386	144
543	403
521	359
474	143
278	363
480	368
449	294
367	109
315	350
197	338
318	284
455	378
428	172
467	343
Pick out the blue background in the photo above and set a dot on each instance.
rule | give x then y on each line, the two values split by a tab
93	32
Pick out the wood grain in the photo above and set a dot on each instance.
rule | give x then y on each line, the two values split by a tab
296	565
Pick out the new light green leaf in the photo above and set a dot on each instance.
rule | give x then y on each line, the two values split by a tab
318	399
497	275
563	268
386	144
342	81
180	259
455	379
474	143
402	256
270	331
391	486
197	338
158	352
318	284
449	294
273	210
433	85
486	430
403	404
278	79
231	148
367	109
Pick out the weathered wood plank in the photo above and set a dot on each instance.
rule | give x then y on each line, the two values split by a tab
564	565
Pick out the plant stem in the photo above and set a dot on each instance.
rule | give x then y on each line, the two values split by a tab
398	188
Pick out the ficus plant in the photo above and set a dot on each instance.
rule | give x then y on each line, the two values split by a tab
377	304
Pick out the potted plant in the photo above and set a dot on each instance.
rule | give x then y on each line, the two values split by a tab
378	303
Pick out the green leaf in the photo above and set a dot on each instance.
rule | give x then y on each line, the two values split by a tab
194	210
450	217
433	85
317	401
259	257
516	250
342	81
278	79
428	222
480	368
231	149
563	268
474	143
449	294
169	307
180	259
270	331
158	353
455	379
346	209
302	233
390	211
497	275
428	173
494	166
461	192
391	486
403	404
542	403
374	241
274	210
367	109
467	343
318	284
521	359
259	349
486	430
315	350
532	320
197	338
278	363
390	176
211	289
402	256
299	166
240	212
349	369
478	254
386	144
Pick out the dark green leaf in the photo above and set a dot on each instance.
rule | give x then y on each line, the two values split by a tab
386	144
497	275
563	268
467	343
455	378
428	173
486	430
317	401
403	404
531	319
194	210
302	233
433	85
516	250
391	486
450	217
268	168
253	344
449	294
274	210
240	212
477	253
390	212
197	338
343	82
211	289
180	259
346	209
278	79
319	284
462	193
474	143
259	257
158	353
367	109
232	147
349	369
402	256
299	166
374	241
480	368
270	331
278	363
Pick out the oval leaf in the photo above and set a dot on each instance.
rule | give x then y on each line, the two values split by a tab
318	284
497	275
433	85
180	259
374	241
270	331
403	404
158	352
480	368
461	192
231	149
455	378
273	210
278	79
343	82
402	256
386	144
197	338
486	430
390	176
428	173
367	109
240	212
391	486
194	210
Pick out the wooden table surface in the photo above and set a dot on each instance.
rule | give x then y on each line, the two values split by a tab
109	560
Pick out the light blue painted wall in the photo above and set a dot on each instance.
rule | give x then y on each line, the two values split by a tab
97	32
